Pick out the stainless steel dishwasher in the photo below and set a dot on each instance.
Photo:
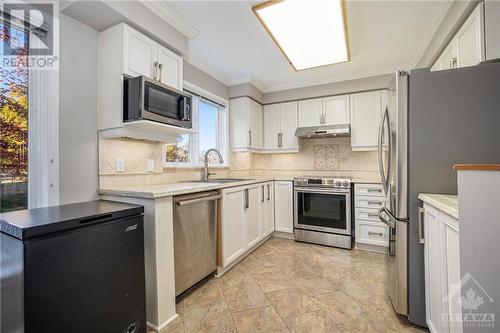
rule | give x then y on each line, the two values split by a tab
195	238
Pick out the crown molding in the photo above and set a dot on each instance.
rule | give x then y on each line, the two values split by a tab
173	18
194	61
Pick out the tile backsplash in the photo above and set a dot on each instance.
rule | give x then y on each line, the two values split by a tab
329	156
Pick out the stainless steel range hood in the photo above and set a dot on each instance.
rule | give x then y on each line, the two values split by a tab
325	131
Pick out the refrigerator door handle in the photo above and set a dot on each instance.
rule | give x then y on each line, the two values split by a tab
381	215
383	175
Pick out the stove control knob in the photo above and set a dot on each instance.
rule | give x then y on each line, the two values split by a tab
338	182
345	183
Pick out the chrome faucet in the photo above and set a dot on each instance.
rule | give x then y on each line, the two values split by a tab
205	169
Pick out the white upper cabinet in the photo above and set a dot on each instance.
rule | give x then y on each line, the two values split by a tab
280	123
366	111
139	53
336	110
467	48
125	52
245	129
144	56
170	68
310	112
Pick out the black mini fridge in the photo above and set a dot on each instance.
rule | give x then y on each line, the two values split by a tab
73	268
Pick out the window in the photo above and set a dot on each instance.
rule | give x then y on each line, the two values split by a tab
14	121
210	123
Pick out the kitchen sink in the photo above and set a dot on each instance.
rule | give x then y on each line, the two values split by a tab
220	180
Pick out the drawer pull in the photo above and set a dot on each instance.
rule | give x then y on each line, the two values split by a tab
372	215
375	233
372	203
374	190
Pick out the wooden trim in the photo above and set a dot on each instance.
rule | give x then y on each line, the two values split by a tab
477	167
268	3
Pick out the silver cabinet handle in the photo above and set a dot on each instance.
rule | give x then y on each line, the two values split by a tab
372	215
373	203
454	62
194	201
420	226
155	70
371	190
375	233
247	201
160	67
263	197
268	192
280	140
249	138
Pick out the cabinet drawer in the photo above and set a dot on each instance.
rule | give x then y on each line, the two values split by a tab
371	233
374	190
370	202
367	214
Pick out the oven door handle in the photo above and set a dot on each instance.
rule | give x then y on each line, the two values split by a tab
322	191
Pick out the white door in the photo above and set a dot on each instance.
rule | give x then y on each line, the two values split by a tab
269	204
336	110
288	126
139	53
366	114
233	242
310	112
283	205
272	126
171	68
255	123
433	277
252	215
469	40
238	123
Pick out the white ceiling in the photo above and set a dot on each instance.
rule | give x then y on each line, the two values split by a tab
384	36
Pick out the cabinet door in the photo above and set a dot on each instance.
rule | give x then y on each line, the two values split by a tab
171	68
238	123
254	123
252	215
269	204
432	265
448	58
336	110
469	40
366	113
288	120
283	203
139	53
310	111
272	126
233	216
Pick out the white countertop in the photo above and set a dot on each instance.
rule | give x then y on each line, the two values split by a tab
444	202
171	189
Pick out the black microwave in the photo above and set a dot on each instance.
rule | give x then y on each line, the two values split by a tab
147	99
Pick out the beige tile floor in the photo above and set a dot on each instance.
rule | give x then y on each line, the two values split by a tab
286	286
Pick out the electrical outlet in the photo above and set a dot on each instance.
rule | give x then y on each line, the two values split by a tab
151	165
120	164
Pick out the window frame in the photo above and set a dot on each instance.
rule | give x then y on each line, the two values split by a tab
222	130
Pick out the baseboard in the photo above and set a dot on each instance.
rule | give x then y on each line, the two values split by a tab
281	234
162	326
372	248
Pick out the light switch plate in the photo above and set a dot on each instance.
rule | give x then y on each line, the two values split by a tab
151	165
120	164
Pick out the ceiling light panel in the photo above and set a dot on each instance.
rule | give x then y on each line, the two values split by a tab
310	33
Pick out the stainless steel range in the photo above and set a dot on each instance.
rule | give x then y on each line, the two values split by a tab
322	210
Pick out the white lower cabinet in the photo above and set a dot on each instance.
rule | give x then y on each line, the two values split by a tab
247	218
442	270
283	206
369	230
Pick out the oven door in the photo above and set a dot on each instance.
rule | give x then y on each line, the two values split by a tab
164	104
326	210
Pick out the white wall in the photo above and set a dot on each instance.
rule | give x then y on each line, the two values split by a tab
77	112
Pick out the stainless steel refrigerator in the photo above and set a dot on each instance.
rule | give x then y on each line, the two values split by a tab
435	120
